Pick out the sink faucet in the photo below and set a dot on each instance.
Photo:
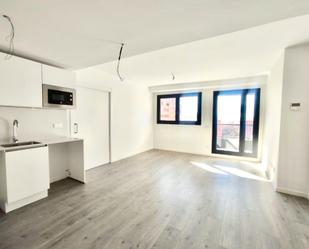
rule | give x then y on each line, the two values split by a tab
15	126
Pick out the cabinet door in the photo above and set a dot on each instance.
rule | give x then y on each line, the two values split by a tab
58	77
27	173
20	82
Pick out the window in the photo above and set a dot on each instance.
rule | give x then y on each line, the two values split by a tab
179	108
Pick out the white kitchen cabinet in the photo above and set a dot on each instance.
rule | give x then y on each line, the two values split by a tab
58	77
26	177
20	82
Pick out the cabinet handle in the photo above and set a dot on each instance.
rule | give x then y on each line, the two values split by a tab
75	128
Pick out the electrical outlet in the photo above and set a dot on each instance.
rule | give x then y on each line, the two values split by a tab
296	107
57	125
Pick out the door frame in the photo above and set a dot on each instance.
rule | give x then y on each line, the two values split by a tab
242	134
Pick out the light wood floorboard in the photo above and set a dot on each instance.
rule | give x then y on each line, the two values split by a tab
162	200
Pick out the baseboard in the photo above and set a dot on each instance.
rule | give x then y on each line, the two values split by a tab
8	207
131	155
292	192
268	174
212	155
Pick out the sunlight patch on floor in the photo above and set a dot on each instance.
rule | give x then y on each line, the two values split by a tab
240	173
228	170
208	168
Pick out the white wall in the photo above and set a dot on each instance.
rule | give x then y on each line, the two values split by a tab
293	169
33	123
198	139
194	139
132	130
131	113
272	119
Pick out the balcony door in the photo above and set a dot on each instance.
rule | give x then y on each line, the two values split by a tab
236	122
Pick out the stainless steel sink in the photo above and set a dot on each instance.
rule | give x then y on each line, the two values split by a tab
19	144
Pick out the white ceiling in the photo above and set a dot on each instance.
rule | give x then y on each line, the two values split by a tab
239	54
71	33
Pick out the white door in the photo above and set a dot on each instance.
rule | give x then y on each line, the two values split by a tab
90	121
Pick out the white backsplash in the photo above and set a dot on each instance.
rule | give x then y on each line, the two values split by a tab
33	123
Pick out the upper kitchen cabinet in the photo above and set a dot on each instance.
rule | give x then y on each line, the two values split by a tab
20	82
58	77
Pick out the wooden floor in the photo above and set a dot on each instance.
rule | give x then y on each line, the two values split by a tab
161	200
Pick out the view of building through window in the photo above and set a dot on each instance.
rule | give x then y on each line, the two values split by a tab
168	109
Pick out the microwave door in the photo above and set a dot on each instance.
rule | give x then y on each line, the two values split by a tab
58	97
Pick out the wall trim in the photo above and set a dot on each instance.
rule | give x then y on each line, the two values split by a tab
244	82
84	85
131	155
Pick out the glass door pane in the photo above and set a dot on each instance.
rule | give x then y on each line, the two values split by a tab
236	122
250	101
228	122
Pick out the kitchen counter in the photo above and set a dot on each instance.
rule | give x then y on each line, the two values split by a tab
59	140
51	160
43	142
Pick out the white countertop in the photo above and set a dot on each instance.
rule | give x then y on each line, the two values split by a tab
59	140
43	142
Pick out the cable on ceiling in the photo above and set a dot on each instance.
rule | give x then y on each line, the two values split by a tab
11	48
119	55
118	63
10	38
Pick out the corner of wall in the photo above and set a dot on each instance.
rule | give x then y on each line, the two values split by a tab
271	140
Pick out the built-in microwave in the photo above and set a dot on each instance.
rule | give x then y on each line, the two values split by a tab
58	97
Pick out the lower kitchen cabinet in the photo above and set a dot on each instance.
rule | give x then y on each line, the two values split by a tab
24	177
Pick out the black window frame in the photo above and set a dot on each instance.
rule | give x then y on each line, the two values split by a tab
256	122
177	113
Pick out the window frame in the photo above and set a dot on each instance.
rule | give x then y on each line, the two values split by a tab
256	123
177	111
